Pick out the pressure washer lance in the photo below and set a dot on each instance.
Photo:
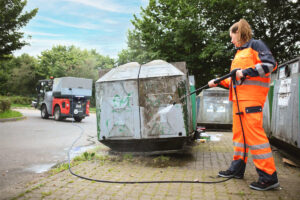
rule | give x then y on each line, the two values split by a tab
231	74
216	81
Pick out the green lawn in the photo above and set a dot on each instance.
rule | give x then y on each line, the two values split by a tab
21	105
10	114
93	110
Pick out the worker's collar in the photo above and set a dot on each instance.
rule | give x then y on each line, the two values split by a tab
246	45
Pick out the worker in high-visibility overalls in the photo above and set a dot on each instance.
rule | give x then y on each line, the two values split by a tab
256	63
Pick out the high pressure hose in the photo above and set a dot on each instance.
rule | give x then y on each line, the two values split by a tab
233	79
231	74
127	182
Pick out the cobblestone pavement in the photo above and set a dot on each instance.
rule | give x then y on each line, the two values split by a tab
202	163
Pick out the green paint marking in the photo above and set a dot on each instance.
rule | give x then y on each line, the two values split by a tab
98	114
181	92
121	101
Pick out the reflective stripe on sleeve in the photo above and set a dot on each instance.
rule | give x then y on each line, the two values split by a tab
260	69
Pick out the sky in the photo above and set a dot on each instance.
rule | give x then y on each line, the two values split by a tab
87	24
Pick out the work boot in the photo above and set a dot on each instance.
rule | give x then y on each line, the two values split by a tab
236	170
229	174
265	181
262	186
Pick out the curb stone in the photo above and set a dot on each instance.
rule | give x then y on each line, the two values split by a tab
12	119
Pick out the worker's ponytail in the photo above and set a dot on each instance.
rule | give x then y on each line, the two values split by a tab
243	29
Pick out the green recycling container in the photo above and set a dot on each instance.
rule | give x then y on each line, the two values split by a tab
193	101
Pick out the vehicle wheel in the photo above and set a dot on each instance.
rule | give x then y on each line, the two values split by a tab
78	119
57	114
44	112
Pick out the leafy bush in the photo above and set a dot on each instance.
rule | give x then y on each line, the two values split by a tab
4	105
18	99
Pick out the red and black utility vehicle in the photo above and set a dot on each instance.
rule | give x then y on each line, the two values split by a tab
64	97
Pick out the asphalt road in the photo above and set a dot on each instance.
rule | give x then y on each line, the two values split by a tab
32	146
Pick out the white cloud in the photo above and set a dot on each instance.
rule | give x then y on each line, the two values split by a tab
42	34
39	45
79	26
99	24
105	5
109	21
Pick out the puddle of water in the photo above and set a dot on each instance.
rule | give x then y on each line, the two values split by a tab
76	151
212	137
215	137
40	168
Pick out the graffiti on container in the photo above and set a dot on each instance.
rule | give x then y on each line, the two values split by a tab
121	102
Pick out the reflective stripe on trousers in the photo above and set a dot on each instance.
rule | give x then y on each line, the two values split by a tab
255	136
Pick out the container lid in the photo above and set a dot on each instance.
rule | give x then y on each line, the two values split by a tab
214	90
122	72
158	68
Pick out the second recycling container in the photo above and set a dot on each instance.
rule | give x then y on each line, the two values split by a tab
285	124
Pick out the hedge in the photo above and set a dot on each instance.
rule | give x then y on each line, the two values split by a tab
4	105
18	99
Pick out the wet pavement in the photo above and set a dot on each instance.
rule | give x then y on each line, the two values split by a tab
201	162
32	146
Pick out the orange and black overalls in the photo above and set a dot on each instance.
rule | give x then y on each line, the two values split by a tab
257	63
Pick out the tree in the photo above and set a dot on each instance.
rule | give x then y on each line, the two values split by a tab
59	60
136	52
196	31
19	75
72	61
24	76
5	72
11	20
276	22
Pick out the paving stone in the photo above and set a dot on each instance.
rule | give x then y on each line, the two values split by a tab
202	164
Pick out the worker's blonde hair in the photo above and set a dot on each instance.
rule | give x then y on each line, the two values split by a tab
243	29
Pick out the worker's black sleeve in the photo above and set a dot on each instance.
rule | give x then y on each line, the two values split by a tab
267	64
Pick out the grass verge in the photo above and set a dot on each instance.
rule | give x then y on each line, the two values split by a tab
92	109
21	105
10	114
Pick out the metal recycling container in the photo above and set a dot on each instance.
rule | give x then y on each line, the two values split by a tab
215	110
68	86
285	124
135	111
